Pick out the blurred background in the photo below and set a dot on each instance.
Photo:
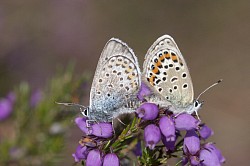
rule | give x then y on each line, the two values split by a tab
37	36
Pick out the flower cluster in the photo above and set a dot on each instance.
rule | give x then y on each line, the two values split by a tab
88	149
167	128
160	127
166	135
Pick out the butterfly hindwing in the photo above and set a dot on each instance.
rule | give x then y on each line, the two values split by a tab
116	79
166	72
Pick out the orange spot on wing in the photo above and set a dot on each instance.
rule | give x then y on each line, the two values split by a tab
155	70
151	80
174	58
158	63
167	56
161	58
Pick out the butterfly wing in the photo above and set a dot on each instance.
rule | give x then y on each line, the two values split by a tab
166	72
116	80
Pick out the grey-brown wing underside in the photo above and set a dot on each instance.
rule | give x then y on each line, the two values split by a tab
116	80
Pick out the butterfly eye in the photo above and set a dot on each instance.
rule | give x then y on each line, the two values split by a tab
196	104
85	112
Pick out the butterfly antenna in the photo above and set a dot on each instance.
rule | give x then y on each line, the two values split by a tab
71	104
214	84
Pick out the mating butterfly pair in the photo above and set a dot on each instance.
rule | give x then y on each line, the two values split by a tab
118	79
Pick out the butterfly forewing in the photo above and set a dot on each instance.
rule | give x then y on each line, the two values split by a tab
116	81
166	72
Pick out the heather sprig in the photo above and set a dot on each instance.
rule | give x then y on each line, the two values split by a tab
33	125
161	138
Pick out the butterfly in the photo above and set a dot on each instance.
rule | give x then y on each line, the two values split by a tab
166	73
115	84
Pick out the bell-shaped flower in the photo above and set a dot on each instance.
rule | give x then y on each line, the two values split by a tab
80	154
209	158
170	145
212	148
111	159
148	111
205	132
103	129
94	158
81	123
152	136
186	122
191	143
167	127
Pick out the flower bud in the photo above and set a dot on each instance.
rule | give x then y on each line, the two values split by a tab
152	136
148	111
186	122
111	159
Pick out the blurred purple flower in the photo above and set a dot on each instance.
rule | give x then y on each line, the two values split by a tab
213	149
148	111
81	153
111	159
35	98
144	91
167	127
152	136
81	123
205	132
94	158
6	106
11	97
186	122
191	143
102	129
137	150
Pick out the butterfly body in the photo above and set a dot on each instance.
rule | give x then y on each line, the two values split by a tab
166	73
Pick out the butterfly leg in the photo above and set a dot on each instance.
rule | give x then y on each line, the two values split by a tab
89	123
196	113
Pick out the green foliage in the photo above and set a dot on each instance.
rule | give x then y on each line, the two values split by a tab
34	135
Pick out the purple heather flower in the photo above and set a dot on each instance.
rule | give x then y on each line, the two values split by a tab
102	129
205	132
94	158
144	91
81	123
111	159
194	160
184	160
191	143
212	148
6	105
186	122
209	158
170	145
152	136
81	153
148	111
167	128
137	150
36	97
